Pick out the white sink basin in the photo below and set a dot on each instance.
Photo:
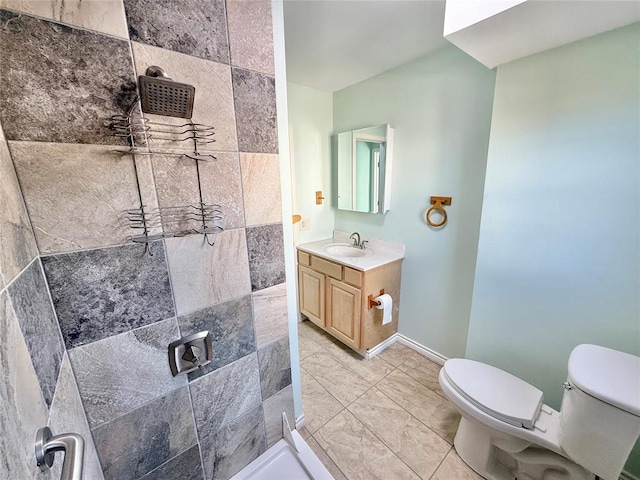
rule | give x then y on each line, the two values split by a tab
346	250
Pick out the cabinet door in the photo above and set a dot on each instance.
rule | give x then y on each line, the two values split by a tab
311	292
343	312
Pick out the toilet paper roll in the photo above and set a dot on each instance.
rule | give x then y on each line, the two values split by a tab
385	303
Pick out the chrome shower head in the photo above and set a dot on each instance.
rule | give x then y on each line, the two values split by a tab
162	96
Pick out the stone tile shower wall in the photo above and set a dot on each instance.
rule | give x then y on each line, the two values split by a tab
85	314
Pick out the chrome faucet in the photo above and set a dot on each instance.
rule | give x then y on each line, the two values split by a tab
357	243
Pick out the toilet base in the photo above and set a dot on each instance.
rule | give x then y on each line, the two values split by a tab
498	456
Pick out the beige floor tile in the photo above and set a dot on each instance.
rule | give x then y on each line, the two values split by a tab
307	346
326	461
318	405
359	453
372	370
424	404
418	446
339	380
396	354
311	331
424	370
454	468
304	432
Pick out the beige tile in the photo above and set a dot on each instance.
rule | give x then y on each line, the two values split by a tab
326	461
273	407
423	370
261	188
358	453
372	370
204	275
177	185
105	16
251	34
453	467
307	346
17	243
76	194
339	380
414	443
304	432
222	185
396	353
270	314
311	331
424	404
318	405
213	103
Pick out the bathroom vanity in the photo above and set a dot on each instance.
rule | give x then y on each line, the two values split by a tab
337	285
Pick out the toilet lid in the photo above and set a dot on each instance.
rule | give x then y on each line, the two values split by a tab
495	392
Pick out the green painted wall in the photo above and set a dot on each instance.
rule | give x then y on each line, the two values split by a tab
559	252
310	128
440	106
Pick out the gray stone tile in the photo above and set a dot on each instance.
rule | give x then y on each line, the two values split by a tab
271	316
231	327
251	35
177	184
224	395
76	194
67	415
140	441
234	446
273	408
266	256
17	243
261	181
204	275
100	293
89	14
121	373
22	406
60	83
32	305
213	103
186	466
275	367
194	27
254	96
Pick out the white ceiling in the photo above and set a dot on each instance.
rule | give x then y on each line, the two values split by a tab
331	44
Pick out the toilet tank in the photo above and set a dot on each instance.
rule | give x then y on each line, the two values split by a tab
600	413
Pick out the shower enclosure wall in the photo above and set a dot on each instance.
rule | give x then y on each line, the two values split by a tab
85	314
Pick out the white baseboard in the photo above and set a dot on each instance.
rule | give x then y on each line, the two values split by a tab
381	346
421	349
627	476
300	422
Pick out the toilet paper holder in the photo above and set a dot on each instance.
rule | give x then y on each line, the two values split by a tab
372	301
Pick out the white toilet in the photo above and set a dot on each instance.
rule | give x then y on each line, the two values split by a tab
506	432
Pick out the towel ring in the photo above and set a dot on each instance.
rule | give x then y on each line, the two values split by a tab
438	203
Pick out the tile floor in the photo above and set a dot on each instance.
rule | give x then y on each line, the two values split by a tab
384	418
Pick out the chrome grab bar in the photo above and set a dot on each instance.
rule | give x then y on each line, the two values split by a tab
71	444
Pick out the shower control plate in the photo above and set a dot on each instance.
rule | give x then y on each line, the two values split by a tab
183	350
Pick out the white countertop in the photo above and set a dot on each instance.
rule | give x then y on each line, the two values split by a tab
383	252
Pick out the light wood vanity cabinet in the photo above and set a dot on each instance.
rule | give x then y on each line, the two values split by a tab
334	297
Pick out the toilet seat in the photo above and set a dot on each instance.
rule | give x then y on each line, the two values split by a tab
495	392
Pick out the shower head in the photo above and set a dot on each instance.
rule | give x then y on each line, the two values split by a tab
162	96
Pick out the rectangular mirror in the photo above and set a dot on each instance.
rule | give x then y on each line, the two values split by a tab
364	169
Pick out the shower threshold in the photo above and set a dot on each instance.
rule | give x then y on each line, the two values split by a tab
284	461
